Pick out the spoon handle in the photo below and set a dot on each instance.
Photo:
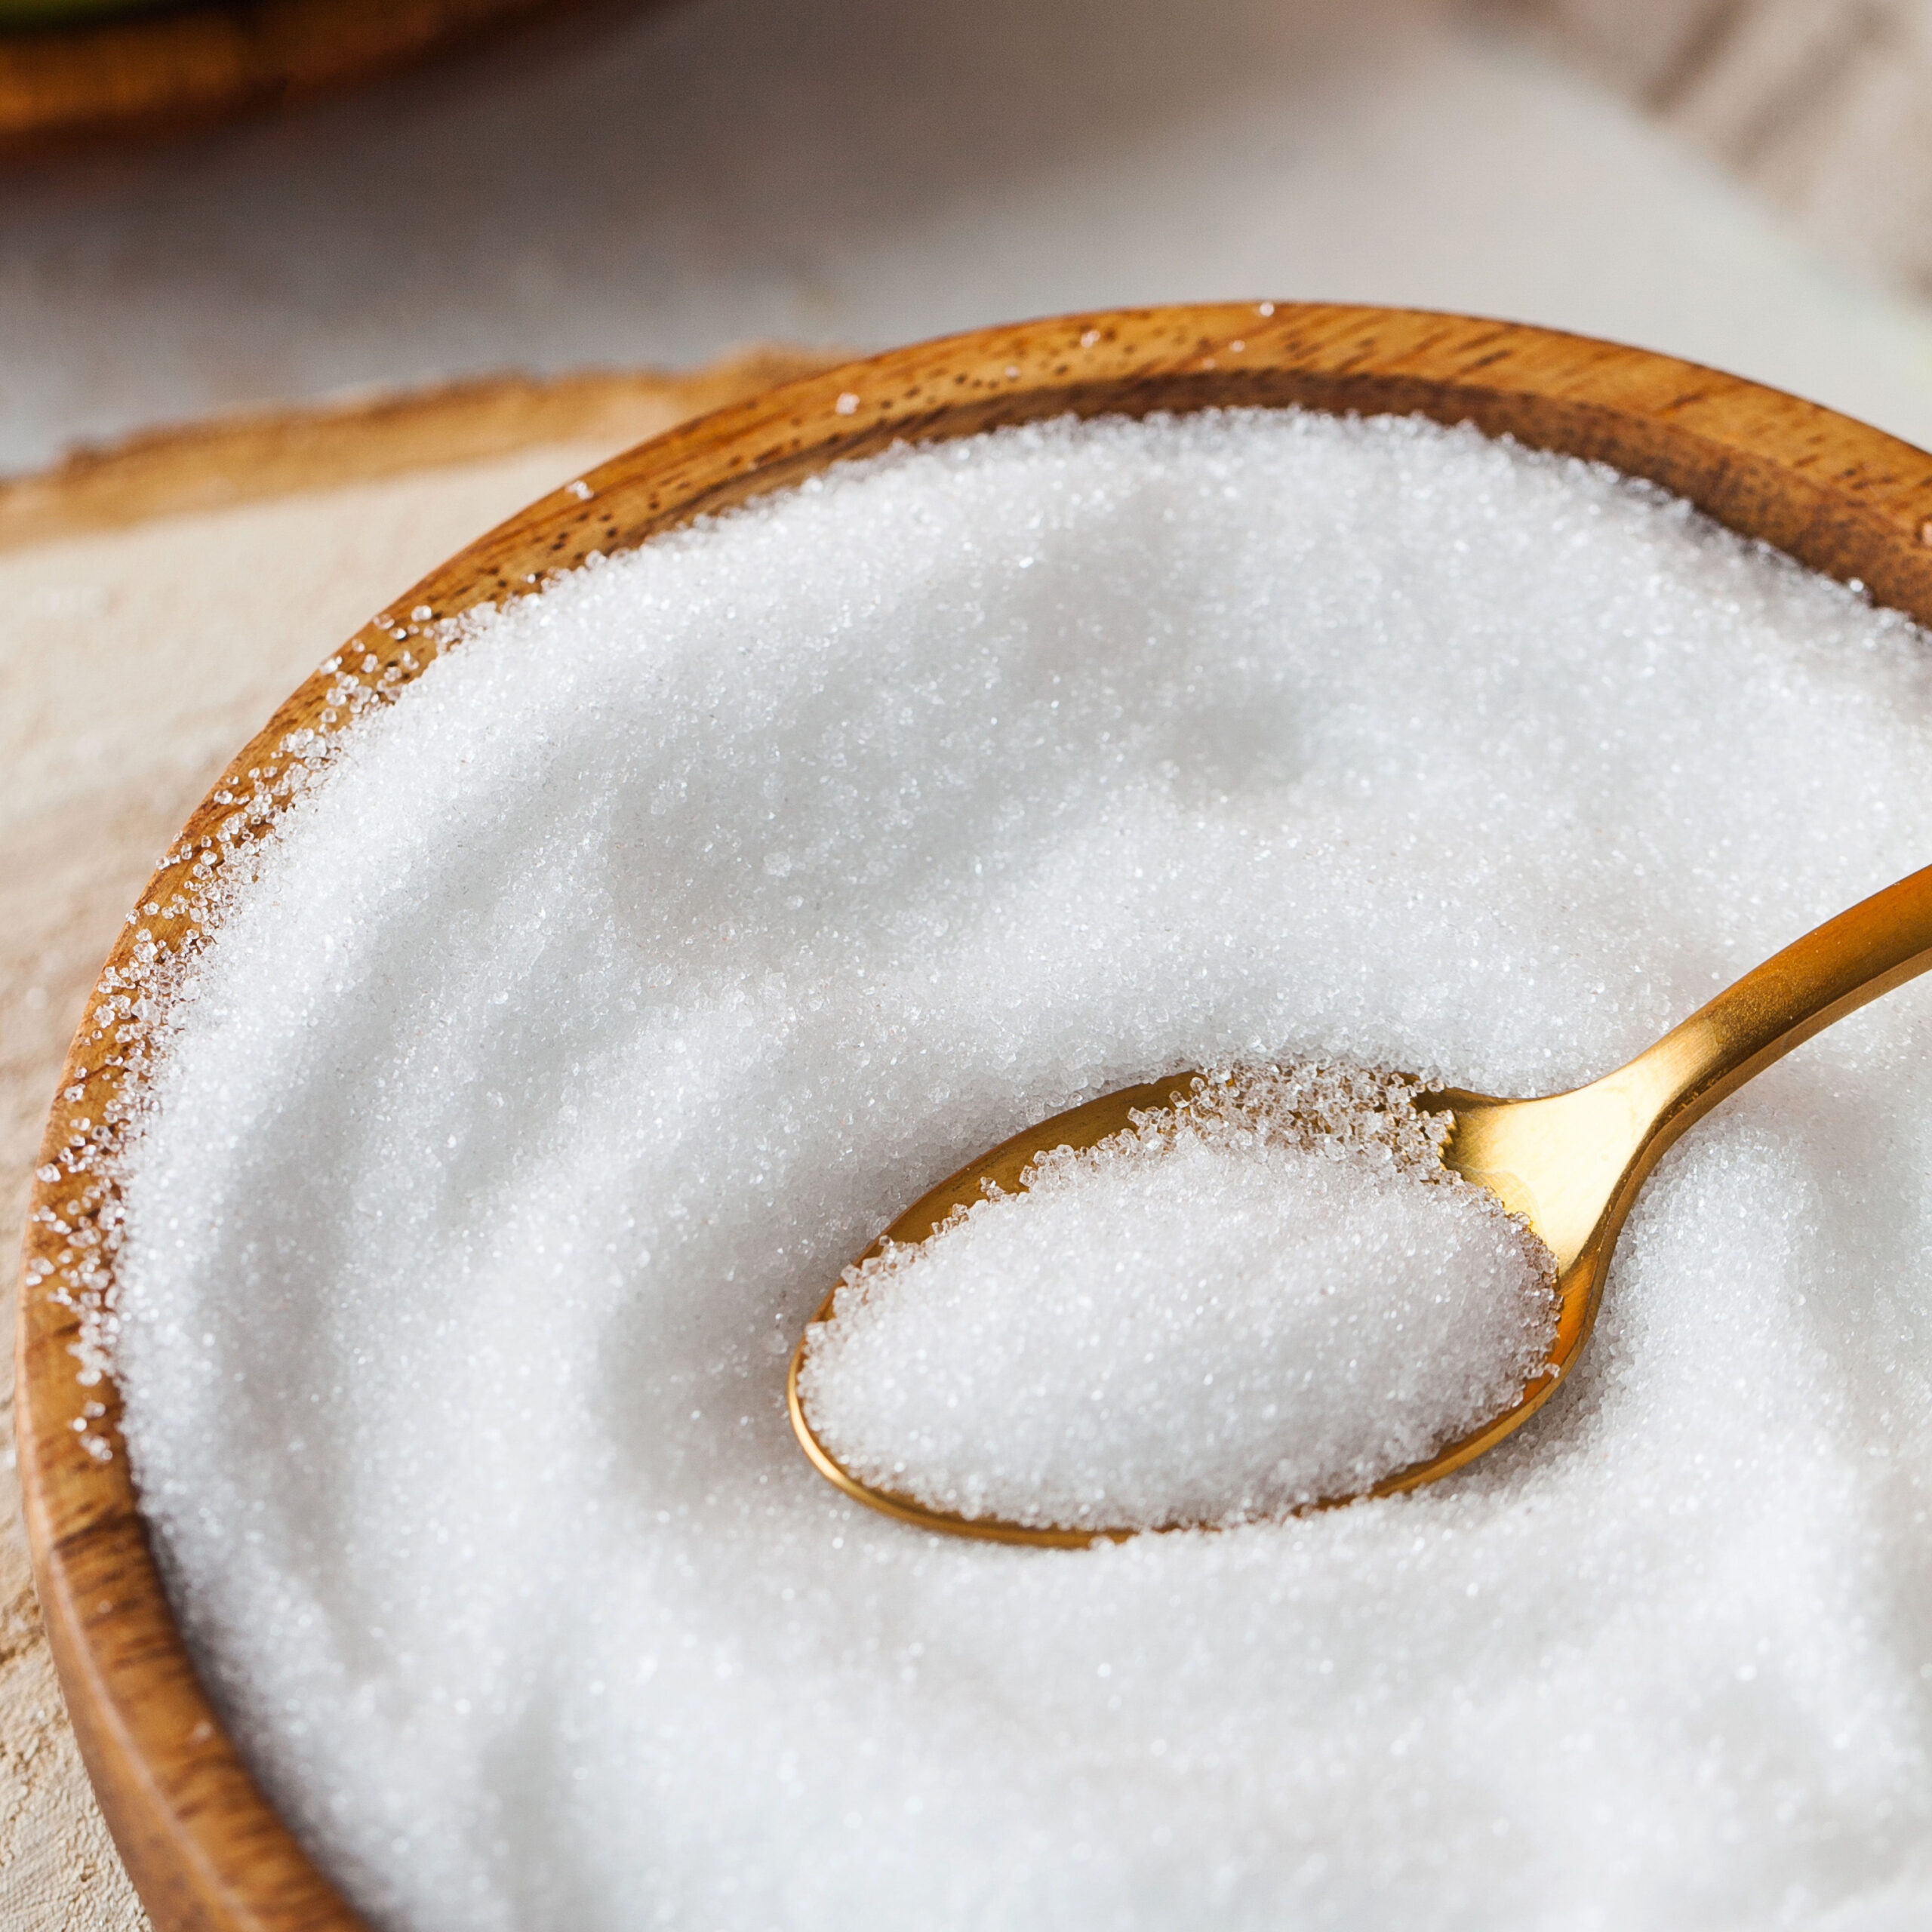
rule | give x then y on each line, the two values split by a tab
1877	944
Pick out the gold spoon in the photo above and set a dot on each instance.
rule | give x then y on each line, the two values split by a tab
1571	1163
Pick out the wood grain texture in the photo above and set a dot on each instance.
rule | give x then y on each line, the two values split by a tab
202	1844
249	457
65	87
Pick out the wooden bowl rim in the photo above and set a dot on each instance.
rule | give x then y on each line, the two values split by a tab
202	1843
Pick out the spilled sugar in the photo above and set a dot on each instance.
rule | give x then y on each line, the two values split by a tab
1272	1294
672	933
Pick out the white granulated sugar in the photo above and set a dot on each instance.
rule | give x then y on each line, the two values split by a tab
1272	1294
680	928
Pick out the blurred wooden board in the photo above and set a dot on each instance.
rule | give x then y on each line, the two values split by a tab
133	78
249	457
158	600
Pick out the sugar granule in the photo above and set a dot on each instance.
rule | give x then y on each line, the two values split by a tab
1272	1294
618	983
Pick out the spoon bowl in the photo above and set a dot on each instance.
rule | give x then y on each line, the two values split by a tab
1571	1164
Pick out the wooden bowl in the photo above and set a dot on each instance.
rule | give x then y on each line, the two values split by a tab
164	68
204	1846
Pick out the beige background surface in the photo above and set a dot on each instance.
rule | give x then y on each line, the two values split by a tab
137	653
1824	105
653	192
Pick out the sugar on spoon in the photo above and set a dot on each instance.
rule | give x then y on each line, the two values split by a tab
1572	1164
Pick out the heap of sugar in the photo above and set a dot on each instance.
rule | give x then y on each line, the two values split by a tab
687	921
1272	1295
